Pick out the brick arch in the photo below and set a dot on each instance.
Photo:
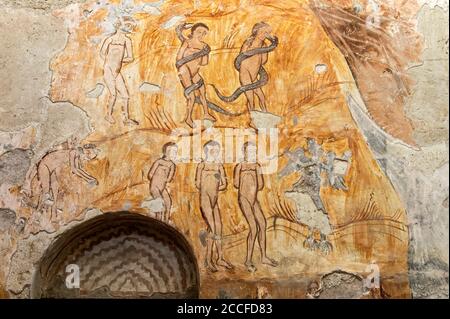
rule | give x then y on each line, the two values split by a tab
119	255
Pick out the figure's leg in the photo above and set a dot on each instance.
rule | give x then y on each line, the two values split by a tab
259	93
262	99
207	212
221	261
123	93
318	201
190	109
262	225
156	193
186	81
55	191
110	81
167	204
247	210
203	100
245	79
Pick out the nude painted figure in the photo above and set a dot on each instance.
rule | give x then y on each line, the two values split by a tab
117	50
250	63
161	173
250	67
49	169
192	55
248	179
210	180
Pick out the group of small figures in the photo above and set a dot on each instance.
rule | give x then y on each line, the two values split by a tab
210	181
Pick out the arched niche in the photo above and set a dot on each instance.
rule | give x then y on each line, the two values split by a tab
118	255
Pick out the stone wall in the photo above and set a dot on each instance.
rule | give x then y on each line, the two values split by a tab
45	107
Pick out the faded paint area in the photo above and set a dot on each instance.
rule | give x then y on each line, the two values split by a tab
357	93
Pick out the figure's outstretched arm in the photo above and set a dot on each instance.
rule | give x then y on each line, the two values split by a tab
76	168
179	30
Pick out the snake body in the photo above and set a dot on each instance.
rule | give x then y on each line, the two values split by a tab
195	86
263	76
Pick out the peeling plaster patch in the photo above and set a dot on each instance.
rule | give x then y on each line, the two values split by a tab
428	104
264	119
29	252
64	120
14	166
23	262
321	68
443	4
430	280
150	9
153	205
149	88
23	139
27	66
308	214
124	8
342	285
337	285
421	176
172	22
127	206
7	219
47	5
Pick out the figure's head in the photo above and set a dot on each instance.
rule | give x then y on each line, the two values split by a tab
170	151
72	142
89	151
262	31
250	152
125	24
199	31
212	151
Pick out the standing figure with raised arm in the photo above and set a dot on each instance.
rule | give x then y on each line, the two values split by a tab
117	50
250	63
192	55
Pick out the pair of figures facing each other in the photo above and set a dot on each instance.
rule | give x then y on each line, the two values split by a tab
194	54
